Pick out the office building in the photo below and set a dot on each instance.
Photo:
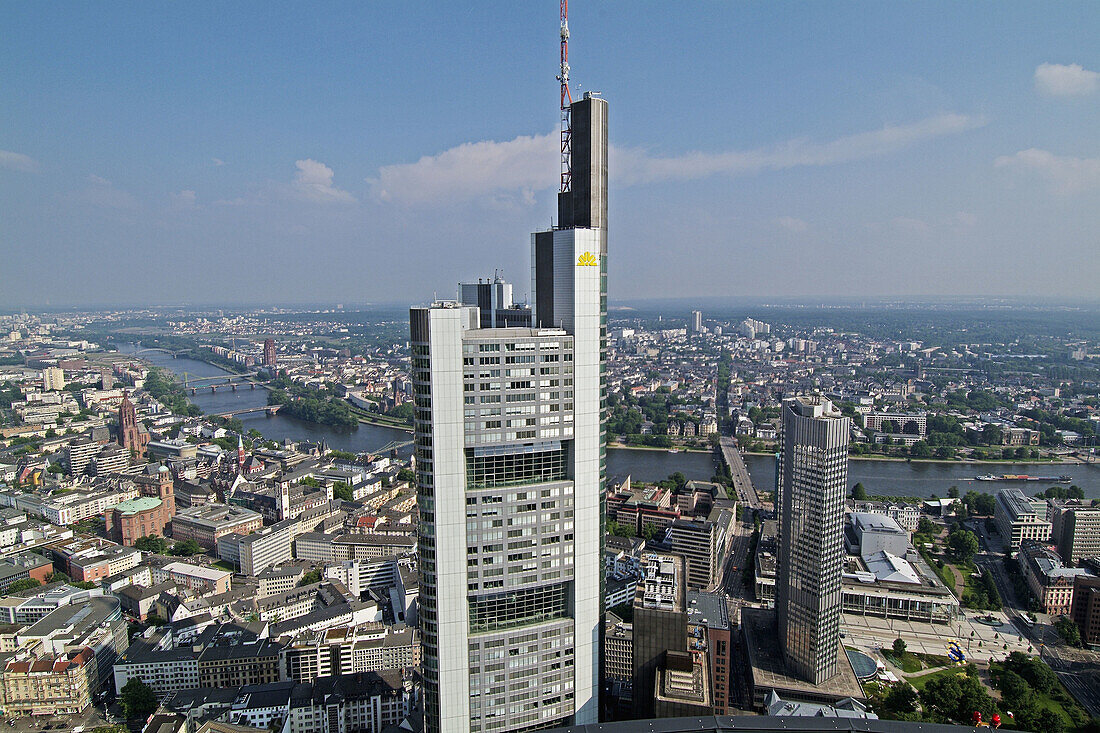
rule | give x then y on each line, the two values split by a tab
208	523
813	482
53	378
48	684
697	321
494	301
254	553
79	454
270	358
1018	519
21	567
660	623
1048	579
1075	529
702	541
510	475
709	635
1085	609
364	701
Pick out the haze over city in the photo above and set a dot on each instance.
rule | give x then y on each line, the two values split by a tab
253	154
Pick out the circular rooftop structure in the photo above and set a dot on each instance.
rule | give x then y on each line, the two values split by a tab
864	666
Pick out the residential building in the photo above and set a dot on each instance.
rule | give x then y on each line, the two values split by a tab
92	559
50	684
53	378
364	701
351	649
812	484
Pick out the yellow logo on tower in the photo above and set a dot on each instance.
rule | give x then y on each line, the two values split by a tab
588	260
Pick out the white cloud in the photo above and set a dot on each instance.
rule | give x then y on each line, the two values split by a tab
101	192
1058	80
218	162
184	199
472	170
1064	173
792	224
17	162
530	163
313	181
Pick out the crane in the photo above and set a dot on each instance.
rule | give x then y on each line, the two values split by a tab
566	100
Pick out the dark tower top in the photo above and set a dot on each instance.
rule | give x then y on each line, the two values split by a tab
584	205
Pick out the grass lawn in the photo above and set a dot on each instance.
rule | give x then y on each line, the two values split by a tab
921	680
908	662
934	660
225	566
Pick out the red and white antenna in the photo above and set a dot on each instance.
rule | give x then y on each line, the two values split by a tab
566	98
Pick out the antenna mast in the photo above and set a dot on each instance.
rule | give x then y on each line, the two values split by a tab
566	99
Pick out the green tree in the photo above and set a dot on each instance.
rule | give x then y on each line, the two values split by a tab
926	526
901	700
920	449
953	492
340	490
187	547
138	699
859	493
963	544
151	543
313	576
24	584
899	647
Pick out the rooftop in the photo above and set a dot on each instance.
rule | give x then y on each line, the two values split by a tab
140	504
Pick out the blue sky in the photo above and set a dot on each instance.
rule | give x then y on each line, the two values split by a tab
379	152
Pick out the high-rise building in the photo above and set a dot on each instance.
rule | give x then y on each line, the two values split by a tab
697	321
1076	530
494	299
269	353
660	623
510	454
53	378
813	481
131	436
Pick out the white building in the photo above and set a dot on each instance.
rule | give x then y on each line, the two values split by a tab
510	471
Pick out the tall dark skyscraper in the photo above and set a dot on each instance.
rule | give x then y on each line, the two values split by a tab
813	481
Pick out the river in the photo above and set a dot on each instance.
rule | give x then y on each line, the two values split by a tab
894	478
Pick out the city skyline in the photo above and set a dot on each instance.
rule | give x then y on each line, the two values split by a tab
879	150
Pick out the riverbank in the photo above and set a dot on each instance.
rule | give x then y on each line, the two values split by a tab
383	423
626	446
954	461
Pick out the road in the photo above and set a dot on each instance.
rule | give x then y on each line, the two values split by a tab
742	482
1078	669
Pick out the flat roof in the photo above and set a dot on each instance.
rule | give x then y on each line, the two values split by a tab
767	668
140	504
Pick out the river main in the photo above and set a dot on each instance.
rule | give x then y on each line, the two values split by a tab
895	478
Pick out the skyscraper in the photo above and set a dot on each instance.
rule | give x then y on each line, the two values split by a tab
697	321
510	455
813	481
270	357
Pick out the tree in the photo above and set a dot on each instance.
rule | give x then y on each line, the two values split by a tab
313	576
899	647
187	547
920	449
901	700
151	543
340	490
138	699
24	584
953	492
859	493
926	526
963	544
